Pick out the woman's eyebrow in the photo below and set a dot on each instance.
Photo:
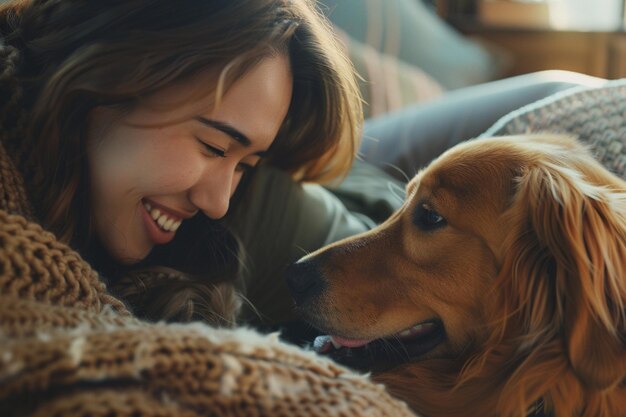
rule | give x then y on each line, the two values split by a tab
230	131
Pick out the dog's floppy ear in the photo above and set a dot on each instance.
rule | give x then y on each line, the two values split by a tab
579	256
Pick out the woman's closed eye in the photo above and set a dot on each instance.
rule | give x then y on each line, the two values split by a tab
213	150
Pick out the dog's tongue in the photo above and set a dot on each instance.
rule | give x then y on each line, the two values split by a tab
350	343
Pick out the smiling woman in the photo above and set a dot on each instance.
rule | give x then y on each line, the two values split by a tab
136	126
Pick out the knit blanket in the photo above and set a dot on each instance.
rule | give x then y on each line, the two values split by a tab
68	348
597	116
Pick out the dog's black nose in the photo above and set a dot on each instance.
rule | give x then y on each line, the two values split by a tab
305	281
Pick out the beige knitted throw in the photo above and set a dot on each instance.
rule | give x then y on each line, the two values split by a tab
67	348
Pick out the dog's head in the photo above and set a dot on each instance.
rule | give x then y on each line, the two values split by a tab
516	240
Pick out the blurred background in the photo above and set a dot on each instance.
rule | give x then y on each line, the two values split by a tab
579	35
409	51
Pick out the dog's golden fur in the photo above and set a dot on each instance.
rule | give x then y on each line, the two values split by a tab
528	277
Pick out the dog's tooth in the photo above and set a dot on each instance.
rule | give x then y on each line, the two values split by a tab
175	226
155	214
405	333
415	330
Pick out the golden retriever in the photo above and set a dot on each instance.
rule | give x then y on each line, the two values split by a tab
498	289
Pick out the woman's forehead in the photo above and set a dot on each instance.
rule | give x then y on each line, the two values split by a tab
255	104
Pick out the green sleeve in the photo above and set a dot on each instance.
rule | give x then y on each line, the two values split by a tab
280	221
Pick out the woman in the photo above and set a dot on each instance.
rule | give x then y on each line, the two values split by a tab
132	119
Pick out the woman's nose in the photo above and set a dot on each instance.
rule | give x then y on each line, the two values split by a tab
213	190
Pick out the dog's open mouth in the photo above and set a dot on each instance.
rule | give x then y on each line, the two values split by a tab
382	353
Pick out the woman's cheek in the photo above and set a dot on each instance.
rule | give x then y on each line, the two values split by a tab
178	172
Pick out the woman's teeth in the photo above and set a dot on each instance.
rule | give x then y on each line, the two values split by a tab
166	223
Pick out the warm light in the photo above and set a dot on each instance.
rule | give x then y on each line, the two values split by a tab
580	15
598	15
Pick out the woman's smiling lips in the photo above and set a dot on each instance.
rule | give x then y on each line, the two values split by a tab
161	222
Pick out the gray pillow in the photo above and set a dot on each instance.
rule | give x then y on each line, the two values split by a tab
596	115
409	30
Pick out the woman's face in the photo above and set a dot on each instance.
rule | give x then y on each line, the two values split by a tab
145	181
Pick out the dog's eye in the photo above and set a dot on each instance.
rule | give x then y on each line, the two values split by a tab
428	219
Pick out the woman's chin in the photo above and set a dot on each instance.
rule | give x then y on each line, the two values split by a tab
130	255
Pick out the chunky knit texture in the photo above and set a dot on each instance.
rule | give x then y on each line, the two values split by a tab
68	348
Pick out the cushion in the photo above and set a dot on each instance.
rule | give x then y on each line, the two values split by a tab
387	83
595	115
409	30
